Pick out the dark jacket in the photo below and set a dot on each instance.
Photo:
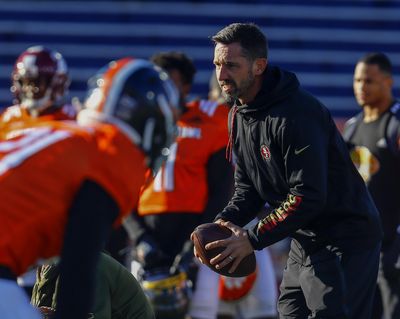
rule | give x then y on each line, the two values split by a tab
290	154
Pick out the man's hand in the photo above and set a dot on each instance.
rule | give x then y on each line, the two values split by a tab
194	250
237	246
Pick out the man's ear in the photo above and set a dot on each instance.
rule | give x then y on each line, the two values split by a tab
259	66
389	82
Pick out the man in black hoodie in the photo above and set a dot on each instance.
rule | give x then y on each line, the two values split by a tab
290	155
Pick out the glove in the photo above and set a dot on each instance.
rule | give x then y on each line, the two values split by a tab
148	254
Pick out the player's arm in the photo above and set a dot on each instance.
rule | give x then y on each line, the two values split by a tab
90	219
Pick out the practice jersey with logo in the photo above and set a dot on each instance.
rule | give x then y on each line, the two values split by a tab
375	151
181	183
42	166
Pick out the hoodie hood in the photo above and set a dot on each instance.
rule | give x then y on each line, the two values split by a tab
277	85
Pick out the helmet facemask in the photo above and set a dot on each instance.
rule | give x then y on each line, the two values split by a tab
39	79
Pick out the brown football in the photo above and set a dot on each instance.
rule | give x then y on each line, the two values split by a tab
207	233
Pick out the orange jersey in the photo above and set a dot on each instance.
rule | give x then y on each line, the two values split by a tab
41	170
181	183
16	114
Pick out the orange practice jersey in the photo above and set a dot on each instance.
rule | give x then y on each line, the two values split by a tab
181	183
42	168
16	115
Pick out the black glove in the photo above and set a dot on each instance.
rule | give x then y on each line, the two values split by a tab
148	254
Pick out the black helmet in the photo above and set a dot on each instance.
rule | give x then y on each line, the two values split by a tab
140	99
169	294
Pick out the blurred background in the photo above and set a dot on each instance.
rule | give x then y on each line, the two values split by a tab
319	40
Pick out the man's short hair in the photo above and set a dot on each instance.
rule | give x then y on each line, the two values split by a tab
174	60
380	59
252	40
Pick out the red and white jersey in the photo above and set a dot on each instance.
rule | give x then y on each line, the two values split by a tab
42	166
181	183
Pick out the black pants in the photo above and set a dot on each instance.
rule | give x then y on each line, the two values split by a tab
340	287
389	280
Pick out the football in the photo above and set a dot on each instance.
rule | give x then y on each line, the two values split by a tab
207	233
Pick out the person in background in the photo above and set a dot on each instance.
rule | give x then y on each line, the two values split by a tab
40	82
374	140
118	295
290	155
193	184
62	187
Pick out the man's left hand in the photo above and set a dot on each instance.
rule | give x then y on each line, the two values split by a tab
237	246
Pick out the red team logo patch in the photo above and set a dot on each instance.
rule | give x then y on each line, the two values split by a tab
265	153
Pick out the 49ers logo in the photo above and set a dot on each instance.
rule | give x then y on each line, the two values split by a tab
265	152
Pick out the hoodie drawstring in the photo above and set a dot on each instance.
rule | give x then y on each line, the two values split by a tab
229	147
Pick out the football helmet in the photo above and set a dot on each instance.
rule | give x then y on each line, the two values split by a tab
141	100
169	294
39	79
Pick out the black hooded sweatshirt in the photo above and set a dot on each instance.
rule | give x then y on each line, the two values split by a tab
291	155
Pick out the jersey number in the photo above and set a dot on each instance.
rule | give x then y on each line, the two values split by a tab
165	178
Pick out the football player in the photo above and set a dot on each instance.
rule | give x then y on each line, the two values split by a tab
40	82
64	185
194	182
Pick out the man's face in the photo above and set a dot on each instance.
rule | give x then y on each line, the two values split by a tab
233	70
371	85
